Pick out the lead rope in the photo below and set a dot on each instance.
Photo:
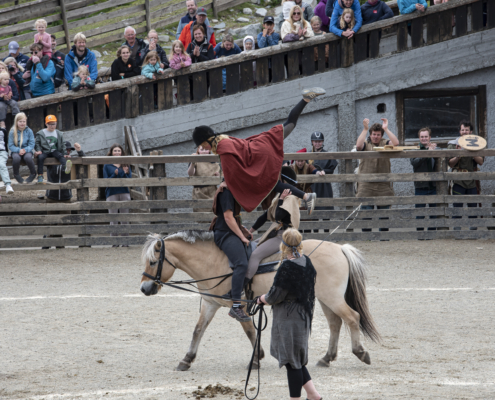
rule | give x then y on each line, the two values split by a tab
254	309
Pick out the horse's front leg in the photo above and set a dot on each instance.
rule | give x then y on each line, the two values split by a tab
251	334
208	310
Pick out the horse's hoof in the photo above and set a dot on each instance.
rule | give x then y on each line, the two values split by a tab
366	359
323	363
183	366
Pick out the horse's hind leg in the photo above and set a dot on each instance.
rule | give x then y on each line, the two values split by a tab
335	323
251	334
208	310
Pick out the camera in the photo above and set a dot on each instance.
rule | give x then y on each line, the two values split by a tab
11	68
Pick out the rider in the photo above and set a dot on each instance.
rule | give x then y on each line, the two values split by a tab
284	213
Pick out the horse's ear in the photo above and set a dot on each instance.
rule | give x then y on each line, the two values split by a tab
158	245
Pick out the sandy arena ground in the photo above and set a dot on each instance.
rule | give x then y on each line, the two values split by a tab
74	325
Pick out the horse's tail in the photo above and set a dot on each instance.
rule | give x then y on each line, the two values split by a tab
355	295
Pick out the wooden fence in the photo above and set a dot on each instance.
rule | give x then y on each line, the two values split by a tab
75	15
129	98
87	222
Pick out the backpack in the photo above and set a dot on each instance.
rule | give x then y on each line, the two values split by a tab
58	78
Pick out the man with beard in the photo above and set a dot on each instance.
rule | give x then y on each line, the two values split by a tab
77	56
190	16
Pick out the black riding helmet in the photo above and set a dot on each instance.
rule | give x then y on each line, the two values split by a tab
201	134
317	136
289	175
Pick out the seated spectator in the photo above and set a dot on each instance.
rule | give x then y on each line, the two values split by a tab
410	6
347	20
20	58
200	49
80	55
4	155
8	95
58	59
42	37
135	44
179	58
268	37
339	7
117	171
50	143
296	27
124	66
21	146
41	71
154	46
375	10
287	7
151	65
15	71
82	79
316	26
320	12
190	16
187	33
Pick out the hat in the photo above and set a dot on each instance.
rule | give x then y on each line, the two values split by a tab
268	18
13	47
317	136
201	11
300	151
68	146
50	118
201	134
289	175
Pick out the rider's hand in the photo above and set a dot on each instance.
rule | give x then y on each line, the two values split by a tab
245	241
285	193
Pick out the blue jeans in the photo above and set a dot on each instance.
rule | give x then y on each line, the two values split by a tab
459	190
425	192
372	208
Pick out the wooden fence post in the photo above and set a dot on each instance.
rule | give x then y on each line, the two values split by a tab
347	52
158	192
66	25
214	6
442	187
82	172
349	186
148	15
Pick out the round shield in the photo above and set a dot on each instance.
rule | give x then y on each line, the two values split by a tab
472	142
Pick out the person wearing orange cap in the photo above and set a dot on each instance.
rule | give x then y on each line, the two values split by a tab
50	143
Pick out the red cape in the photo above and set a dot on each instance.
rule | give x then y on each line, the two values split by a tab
252	166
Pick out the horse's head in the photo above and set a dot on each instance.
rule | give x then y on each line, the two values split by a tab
150	256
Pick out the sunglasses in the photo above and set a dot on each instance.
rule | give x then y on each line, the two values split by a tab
297	13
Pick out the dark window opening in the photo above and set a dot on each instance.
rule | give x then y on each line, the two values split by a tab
381	108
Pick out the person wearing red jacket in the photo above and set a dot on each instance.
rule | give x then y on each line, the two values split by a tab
187	34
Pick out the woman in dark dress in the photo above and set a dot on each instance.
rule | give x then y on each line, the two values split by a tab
293	299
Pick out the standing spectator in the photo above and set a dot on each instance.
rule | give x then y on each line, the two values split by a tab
82	79
21	146
427	188
4	155
50	143
226	48
190	16
320	12
179	58
151	65
305	7
375	10
20	58
268	37
200	49
375	166
154	46
124	66
302	167
248	44
135	44
296	27
410	6
339	7
464	164
203	192
117	193
15	71
292	296
41	72
187	33
8	96
58	59
77	56
43	38
56	54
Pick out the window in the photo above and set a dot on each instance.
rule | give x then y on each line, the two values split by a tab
440	110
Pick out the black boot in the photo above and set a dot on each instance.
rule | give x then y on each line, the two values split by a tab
19	179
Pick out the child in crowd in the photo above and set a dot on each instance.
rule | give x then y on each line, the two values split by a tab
50	143
179	58
4	155
316	26
248	44
21	146
43	38
347	20
151	65
6	94
82	79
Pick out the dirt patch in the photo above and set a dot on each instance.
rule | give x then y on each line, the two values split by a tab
211	391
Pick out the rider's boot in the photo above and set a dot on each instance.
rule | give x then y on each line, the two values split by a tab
238	313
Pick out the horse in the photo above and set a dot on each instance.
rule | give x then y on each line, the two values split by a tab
340	287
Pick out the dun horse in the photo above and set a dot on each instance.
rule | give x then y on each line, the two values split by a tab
340	286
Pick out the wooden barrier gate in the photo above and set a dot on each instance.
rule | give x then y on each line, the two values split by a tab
87	222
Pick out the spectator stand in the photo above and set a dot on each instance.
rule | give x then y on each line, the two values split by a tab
22	225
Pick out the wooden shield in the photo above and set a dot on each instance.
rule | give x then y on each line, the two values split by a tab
472	142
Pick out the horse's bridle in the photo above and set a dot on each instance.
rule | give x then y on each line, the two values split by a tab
158	277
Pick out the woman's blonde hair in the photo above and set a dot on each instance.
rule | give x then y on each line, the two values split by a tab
82	69
182	48
40	22
213	141
353	20
303	22
18	117
12	59
293	239
152	31
150	55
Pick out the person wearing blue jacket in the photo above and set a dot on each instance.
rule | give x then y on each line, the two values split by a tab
375	10
268	37
42	72
21	146
338	8
77	56
226	48
409	6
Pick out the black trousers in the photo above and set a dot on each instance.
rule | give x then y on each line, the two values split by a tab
41	160
297	378
280	187
235	250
